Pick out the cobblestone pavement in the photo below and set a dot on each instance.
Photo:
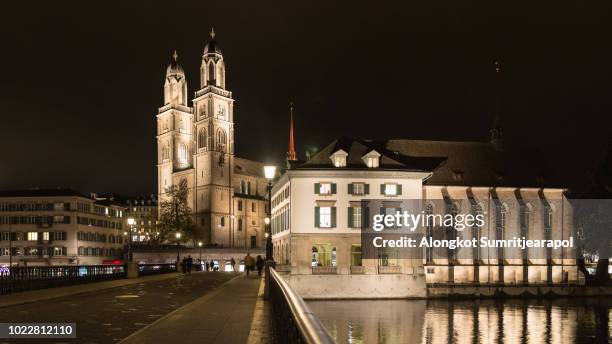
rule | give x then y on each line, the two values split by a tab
109	315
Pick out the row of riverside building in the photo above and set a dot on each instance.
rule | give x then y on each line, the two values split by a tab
65	227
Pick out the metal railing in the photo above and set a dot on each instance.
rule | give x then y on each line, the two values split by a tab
155	269
294	322
41	277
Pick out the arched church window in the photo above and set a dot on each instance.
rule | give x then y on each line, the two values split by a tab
183	153
211	73
165	155
221	140
220	74
202	138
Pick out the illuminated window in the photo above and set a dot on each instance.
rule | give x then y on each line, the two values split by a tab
390	189
325	188
323	255
325	217
339	158
32	235
372	162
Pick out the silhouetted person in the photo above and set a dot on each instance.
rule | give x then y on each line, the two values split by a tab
249	264
189	264
260	264
233	262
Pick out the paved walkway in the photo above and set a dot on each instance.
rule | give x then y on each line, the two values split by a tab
232	313
53	293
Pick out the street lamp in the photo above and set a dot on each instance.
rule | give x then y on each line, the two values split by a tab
269	173
131	222
178	237
200	246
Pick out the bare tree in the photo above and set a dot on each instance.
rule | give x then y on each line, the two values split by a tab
175	214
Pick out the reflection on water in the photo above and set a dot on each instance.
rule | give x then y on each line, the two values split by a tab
474	321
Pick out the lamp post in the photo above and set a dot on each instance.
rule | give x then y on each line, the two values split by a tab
178	251
131	223
269	173
200	246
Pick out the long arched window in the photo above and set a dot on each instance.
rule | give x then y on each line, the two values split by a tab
211	73
183	153
165	153
202	138
221	140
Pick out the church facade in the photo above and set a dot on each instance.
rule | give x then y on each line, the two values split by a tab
195	143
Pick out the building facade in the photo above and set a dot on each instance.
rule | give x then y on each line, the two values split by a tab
59	227
144	212
318	212
195	142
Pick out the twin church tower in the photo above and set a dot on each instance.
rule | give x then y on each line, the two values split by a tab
196	144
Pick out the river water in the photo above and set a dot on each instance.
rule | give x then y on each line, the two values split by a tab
473	321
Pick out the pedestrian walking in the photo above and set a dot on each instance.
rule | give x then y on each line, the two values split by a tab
260	264
207	265
184	265
233	262
249	263
189	264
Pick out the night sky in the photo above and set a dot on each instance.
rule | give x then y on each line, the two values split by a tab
81	84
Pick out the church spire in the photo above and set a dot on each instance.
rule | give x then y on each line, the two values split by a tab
291	153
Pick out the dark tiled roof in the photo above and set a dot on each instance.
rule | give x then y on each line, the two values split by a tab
481	164
40	193
452	162
248	167
356	149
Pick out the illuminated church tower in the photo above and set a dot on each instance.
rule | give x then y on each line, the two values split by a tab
196	144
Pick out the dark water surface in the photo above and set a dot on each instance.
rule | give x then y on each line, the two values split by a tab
474	321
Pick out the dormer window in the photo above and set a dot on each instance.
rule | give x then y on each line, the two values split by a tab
339	158
372	159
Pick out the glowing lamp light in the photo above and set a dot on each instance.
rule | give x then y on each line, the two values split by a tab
269	172
267	235
200	243
124	233
267	220
131	221
178	235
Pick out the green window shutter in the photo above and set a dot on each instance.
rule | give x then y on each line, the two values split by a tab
350	189
64	251
317	188
333	188
382	189
366	189
317	217
333	217
365	217
399	189
350	218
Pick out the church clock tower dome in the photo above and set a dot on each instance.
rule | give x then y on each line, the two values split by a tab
175	87
212	70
